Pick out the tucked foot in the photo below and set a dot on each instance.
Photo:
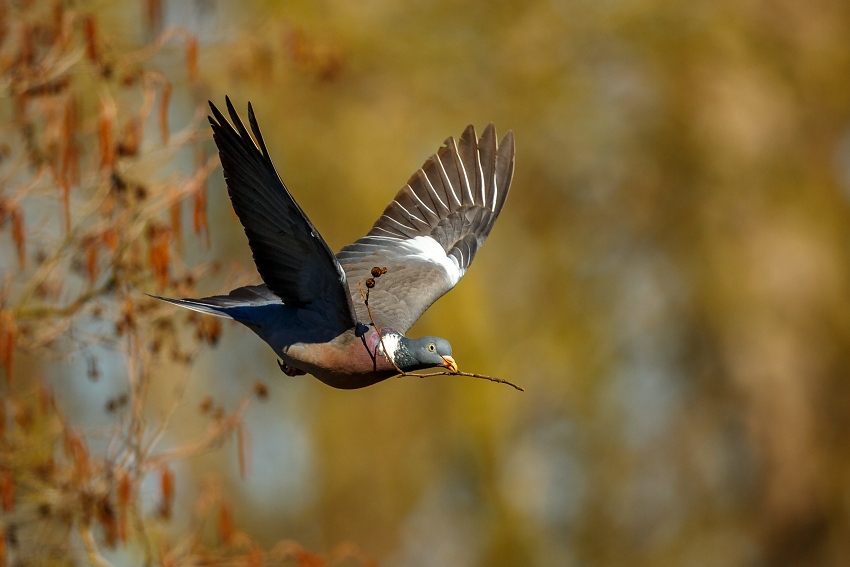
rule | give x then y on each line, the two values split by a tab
289	370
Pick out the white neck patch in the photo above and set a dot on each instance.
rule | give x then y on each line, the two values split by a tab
390	341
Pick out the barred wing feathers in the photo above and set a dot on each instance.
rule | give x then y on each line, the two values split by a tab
429	234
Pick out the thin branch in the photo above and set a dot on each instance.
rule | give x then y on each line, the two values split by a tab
219	430
458	373
92	551
45	311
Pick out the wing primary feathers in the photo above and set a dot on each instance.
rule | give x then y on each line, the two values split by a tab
504	169
447	183
487	151
255	128
421	202
430	233
290	254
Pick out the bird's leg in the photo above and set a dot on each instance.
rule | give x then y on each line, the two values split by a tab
289	370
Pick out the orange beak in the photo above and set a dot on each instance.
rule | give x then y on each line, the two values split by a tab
449	363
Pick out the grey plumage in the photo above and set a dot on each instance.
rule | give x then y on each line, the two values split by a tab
309	309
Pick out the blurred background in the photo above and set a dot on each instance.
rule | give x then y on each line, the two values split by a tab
669	280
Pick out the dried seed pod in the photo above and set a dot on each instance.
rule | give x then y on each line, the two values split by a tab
104	135
163	112
90	246
132	140
110	239
376	272
160	255
7	490
90	31
8	339
208	329
166	486
124	489
176	215
370	283
18	235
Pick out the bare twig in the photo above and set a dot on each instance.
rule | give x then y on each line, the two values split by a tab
92	552
217	432
469	374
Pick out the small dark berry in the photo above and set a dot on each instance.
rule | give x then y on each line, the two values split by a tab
370	283
376	272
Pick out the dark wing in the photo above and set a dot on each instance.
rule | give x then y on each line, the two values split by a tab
290	254
429	234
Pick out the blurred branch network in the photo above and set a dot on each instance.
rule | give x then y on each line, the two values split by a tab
88	226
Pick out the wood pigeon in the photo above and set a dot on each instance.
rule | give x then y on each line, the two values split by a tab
310	308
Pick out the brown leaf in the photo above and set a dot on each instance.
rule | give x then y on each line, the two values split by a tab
163	112
18	235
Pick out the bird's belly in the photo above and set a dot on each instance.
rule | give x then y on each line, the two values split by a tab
346	367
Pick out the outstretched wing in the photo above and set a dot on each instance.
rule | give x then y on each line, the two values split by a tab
429	234
290	254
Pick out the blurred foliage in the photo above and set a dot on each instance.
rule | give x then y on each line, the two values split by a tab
669	279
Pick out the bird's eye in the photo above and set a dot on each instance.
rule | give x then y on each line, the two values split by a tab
431	347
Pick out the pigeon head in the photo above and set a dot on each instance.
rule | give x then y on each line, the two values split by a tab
417	354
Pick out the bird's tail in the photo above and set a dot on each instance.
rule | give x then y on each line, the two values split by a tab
235	305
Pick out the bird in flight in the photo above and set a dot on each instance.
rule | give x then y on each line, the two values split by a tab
310	308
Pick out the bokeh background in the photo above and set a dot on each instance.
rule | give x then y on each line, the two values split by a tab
669	280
